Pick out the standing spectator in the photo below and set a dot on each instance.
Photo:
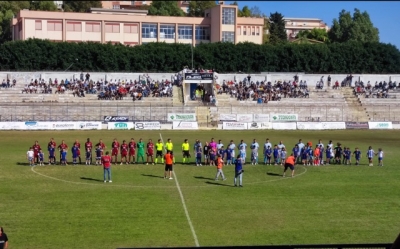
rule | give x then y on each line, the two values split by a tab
329	80
289	163
238	172
168	165
220	164
106	161
3	239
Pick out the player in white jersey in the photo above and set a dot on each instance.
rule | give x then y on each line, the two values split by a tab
380	157
242	150
370	155
29	156
254	152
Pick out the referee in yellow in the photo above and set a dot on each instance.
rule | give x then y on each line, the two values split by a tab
185	151
159	151
169	146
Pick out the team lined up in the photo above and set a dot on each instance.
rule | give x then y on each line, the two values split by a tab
131	152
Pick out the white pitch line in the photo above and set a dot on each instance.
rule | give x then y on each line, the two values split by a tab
196	241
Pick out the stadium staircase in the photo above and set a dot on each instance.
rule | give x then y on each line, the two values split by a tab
355	107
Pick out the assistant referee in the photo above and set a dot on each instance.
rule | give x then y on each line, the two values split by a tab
185	151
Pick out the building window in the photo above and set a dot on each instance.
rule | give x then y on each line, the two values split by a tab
185	32
228	36
167	31
244	30
130	28
116	7
112	28
228	16
202	33
92	27
258	31
239	30
253	32
38	25
54	26
149	30
133	3
74	26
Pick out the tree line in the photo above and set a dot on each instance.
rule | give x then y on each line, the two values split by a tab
348	57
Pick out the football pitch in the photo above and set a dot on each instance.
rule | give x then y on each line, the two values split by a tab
70	206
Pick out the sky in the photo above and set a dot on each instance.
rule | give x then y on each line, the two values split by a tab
383	14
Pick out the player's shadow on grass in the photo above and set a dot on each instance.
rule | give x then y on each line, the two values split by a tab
23	164
152	176
203	178
218	184
91	179
273	174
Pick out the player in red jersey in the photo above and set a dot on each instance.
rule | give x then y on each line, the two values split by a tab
88	146
61	147
132	151
77	144
51	147
103	146
36	148
150	152
124	152
114	152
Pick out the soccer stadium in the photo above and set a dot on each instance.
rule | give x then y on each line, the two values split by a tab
281	132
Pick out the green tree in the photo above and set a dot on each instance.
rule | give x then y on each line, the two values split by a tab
353	28
244	12
80	6
165	8
8	10
277	32
314	34
197	8
43	5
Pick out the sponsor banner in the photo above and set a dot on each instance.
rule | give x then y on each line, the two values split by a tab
199	76
116	118
309	126
284	126
334	125
172	117
120	125
63	125
185	125
259	126
380	125
11	125
261	117
227	117
284	117
357	125
147	126
234	126
34	125
396	126
89	125
247	118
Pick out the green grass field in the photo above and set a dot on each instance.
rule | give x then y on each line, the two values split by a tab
71	207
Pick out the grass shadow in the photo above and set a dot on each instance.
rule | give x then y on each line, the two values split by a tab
91	179
23	164
152	176
218	184
273	174
203	178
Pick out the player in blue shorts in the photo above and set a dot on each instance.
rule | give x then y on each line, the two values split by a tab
52	154
212	156
310	154
75	151
64	157
229	157
99	152
199	155
348	156
380	157
321	154
357	155
41	158
276	154
328	155
267	155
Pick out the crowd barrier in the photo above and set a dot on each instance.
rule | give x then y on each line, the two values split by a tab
193	125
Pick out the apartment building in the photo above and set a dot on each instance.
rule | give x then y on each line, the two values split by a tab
134	27
294	25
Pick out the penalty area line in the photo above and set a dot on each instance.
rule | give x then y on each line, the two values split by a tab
196	241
